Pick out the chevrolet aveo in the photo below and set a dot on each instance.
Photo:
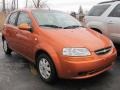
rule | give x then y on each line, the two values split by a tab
57	44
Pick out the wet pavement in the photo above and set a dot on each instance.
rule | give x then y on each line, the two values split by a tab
16	74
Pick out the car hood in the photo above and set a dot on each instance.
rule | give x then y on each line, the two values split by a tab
80	37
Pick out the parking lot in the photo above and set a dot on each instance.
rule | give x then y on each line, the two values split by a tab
15	74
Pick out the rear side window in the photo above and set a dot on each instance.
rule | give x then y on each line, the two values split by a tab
98	10
12	18
115	12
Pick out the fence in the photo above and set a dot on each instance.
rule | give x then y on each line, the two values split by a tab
2	19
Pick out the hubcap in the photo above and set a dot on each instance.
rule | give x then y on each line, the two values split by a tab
44	68
5	45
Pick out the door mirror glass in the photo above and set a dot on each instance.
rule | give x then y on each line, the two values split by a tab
24	26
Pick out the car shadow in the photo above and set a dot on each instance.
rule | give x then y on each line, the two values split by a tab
83	84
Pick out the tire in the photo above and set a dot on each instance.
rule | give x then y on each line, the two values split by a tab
46	69
6	49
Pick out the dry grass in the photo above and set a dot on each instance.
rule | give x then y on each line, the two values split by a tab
2	19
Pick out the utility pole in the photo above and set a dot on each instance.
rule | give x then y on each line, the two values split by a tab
4	6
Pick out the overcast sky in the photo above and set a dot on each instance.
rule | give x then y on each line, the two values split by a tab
72	5
68	5
65	5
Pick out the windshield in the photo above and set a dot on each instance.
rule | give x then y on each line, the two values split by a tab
55	19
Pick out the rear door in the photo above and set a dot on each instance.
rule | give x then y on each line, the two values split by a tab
113	22
11	30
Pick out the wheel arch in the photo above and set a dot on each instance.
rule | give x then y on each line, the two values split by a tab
54	58
3	38
98	26
40	51
96	29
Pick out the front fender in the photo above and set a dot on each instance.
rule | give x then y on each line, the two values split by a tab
52	53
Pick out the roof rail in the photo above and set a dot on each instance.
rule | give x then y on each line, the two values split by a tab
108	1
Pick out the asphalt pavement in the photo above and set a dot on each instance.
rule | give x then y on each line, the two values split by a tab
16	73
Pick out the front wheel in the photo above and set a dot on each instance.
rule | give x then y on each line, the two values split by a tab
6	49
46	68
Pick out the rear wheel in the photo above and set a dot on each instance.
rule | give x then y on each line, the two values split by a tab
6	49
46	68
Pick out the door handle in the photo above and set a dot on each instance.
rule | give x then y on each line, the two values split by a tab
110	22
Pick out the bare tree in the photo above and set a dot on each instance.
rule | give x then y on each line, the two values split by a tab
39	3
14	4
4	6
73	14
17	4
26	3
80	13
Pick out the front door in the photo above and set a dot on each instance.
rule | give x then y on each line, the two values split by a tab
26	39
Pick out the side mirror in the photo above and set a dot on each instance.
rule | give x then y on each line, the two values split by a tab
24	26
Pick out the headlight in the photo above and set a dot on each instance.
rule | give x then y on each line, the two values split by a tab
76	52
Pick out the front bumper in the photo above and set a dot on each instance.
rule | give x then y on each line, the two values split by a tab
85	67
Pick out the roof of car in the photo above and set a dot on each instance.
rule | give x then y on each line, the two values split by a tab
35	9
109	1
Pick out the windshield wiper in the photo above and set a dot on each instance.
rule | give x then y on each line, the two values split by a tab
73	26
54	26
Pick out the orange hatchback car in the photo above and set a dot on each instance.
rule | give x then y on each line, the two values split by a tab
57	44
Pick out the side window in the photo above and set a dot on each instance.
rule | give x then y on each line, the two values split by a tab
12	18
115	12
98	10
23	18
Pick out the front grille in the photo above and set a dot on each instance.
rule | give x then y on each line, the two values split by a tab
103	51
